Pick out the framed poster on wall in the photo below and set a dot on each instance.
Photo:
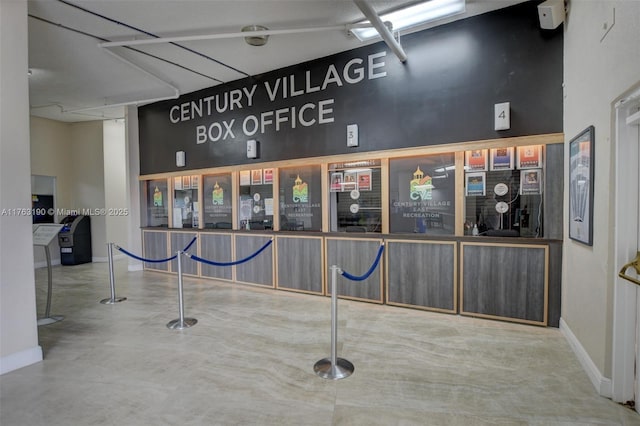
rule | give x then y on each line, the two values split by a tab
475	184
581	173
502	158
476	160
529	157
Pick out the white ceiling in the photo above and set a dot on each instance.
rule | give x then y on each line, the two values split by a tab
70	71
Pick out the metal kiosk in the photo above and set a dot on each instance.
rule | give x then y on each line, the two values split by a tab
43	234
75	240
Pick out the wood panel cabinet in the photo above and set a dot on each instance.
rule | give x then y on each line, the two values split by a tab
422	274
505	281
355	256
216	247
155	246
496	278
299	261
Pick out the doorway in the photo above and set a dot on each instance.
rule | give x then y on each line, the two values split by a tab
626	322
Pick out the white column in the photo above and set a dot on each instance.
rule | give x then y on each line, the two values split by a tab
133	172
18	320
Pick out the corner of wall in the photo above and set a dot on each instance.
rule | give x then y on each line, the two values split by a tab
600	383
20	359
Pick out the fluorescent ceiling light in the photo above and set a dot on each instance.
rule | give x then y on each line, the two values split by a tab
445	169
413	16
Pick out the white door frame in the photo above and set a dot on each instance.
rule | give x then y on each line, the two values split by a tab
626	295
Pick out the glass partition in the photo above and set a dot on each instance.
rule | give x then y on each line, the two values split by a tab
501	188
217	198
185	201
503	192
156	200
255	210
355	198
422	195
300	199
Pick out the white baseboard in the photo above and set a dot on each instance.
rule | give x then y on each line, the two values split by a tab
601	383
43	264
55	262
20	359
106	259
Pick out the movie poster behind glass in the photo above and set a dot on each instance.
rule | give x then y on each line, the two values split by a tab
422	195
476	160
529	157
530	181
502	158
301	199
475	184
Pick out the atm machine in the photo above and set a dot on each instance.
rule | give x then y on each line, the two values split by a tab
75	240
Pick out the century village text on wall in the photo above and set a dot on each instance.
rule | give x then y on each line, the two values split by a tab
309	114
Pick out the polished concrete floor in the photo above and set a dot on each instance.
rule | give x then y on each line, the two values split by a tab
249	361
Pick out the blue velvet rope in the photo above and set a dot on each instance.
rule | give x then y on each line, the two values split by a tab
236	262
168	259
369	272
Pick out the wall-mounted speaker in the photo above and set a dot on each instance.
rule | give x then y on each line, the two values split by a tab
551	14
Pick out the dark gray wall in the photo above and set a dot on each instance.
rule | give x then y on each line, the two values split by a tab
444	93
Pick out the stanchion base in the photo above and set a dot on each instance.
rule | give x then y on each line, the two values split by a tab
50	320
112	301
342	369
176	324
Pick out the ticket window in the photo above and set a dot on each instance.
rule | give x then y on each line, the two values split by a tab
157	201
255	198
300	198
504	192
185	202
217	199
355	197
422	194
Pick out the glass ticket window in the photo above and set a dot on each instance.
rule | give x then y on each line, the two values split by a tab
156	195
422	195
185	202
503	192
355	196
217	199
255	210
300	199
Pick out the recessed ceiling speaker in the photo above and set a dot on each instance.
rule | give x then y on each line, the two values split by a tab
551	14
255	40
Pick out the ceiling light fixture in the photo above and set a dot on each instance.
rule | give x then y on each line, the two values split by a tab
255	39
414	15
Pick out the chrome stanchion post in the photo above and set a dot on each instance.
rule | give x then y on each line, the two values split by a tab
48	319
182	322
112	284
334	368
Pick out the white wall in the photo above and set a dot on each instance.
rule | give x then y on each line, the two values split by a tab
74	154
115	182
18	321
88	183
596	71
133	162
50	143
50	146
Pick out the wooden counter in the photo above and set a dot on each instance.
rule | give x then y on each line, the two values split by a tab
512	279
